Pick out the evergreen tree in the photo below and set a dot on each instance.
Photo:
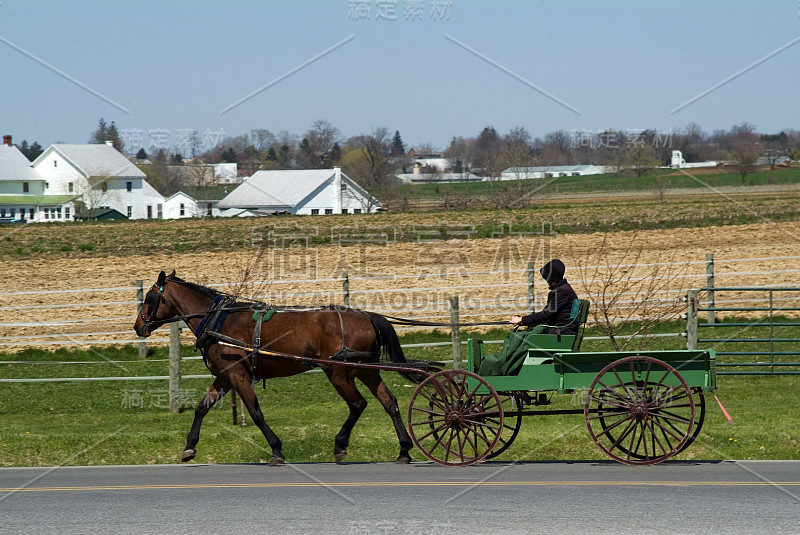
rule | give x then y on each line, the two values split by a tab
141	155
398	148
106	132
32	151
229	156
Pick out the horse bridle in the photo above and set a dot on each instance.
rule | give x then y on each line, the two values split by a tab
153	300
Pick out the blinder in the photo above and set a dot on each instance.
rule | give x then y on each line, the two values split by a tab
153	300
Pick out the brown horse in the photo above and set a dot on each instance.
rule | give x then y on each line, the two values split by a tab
317	333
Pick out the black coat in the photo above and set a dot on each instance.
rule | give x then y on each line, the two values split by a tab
557	309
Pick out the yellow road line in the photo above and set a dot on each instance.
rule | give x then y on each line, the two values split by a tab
413	484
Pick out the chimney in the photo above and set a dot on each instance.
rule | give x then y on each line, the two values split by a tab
337	186
110	143
7	140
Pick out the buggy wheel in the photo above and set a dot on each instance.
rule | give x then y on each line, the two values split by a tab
451	422
699	418
512	422
639	410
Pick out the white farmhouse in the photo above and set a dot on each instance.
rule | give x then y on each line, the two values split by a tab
102	177
195	202
303	192
23	192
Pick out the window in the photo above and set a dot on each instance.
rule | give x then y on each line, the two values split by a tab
47	213
182	211
315	211
208	209
344	210
130	212
66	213
55	163
129	186
149	212
13	211
356	210
25	188
344	186
328	211
2	212
104	187
160	211
57	213
71	187
31	213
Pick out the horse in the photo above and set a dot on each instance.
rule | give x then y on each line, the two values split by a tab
319	333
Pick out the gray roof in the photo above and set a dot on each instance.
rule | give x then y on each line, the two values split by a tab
283	189
95	160
15	166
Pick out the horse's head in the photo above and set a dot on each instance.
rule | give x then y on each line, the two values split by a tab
156	310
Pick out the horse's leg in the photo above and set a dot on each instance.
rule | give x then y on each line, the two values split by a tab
244	387
344	383
215	392
373	380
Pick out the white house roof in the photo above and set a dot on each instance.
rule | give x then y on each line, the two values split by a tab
94	160
15	166
278	189
553	169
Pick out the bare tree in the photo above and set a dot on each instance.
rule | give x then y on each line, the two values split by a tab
631	293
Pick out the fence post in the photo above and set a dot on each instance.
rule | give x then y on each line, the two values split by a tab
174	367
346	287
531	277
691	319
140	305
455	332
710	284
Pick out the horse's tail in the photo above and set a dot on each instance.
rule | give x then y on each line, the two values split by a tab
389	344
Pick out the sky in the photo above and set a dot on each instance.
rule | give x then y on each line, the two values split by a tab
430	69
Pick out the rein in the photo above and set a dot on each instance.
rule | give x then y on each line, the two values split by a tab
417	323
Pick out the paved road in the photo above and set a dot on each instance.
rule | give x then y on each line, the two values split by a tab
491	498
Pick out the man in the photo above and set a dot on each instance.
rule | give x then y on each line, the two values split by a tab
559	302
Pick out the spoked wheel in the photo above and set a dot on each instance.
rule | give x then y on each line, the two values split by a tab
512	422
639	410
699	416
450	422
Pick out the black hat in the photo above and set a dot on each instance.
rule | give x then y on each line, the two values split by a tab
553	270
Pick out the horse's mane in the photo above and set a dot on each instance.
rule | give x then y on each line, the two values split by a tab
205	290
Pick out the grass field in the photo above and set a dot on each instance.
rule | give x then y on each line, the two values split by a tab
586	213
128	422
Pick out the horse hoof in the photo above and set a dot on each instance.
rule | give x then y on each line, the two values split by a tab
339	457
188	455
276	461
403	460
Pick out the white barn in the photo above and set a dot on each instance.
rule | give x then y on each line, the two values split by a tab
302	192
102	177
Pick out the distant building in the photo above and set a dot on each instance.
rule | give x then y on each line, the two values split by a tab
195	202
677	162
101	176
551	171
24	195
422	178
303	192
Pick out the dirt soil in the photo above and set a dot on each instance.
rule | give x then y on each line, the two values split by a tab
414	278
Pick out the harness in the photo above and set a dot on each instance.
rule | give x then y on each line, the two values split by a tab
212	321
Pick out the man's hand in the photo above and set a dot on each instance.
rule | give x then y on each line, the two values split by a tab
515	319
